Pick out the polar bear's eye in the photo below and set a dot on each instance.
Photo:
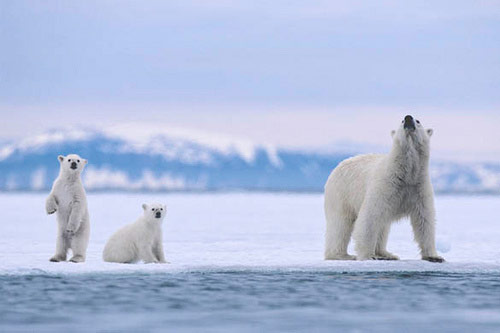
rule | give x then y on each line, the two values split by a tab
69	161
153	209
78	161
161	208
418	122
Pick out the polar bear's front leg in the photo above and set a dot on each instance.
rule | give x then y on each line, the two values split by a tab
366	231
423	223
75	218
51	204
381	252
158	252
147	255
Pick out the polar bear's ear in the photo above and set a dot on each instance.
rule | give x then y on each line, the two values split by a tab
393	132
144	206
85	161
60	158
430	131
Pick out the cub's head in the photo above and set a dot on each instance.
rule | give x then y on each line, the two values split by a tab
72	163
411	133
155	211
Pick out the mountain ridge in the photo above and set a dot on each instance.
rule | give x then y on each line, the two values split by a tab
180	160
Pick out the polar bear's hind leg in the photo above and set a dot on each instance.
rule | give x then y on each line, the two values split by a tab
62	246
79	247
338	234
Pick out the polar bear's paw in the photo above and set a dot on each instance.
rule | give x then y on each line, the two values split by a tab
385	256
340	257
50	207
77	258
57	258
434	259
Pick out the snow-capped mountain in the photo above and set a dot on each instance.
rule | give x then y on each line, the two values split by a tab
148	158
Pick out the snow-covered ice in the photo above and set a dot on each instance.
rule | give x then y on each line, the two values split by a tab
262	231
247	262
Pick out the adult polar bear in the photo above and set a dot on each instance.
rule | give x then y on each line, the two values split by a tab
69	200
366	193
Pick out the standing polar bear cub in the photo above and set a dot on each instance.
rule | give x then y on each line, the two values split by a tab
68	199
141	240
366	193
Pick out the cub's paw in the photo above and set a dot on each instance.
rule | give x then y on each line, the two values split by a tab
50	207
151	261
57	259
340	257
77	259
70	232
385	256
434	259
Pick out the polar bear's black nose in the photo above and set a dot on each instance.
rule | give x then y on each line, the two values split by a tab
73	165
158	215
409	123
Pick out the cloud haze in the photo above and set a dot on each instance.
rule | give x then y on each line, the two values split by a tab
284	72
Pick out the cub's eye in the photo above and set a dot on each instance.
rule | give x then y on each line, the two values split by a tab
402	122
418	122
153	209
161	208
69	160
79	160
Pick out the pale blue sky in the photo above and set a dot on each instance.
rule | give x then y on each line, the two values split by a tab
244	67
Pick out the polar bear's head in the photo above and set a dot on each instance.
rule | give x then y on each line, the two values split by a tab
72	163
154	211
411	133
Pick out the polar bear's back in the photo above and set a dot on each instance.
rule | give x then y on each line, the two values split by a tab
346	186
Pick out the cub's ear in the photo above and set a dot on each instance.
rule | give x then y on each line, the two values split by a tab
393	132
60	158
85	161
144	206
430	131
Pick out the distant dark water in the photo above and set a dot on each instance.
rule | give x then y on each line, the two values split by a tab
251	301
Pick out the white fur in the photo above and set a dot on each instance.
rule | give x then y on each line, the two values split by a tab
68	199
141	240
366	193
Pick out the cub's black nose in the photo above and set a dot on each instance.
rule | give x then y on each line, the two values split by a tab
73	165
158	215
409	123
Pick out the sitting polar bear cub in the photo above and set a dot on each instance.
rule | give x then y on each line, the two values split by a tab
366	193
68	199
141	240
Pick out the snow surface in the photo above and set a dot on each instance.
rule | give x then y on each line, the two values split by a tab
243	231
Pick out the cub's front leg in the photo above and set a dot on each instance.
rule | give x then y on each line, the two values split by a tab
158	252
147	255
51	204
75	218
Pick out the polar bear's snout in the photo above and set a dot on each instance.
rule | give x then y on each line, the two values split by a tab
73	165
158	215
409	123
